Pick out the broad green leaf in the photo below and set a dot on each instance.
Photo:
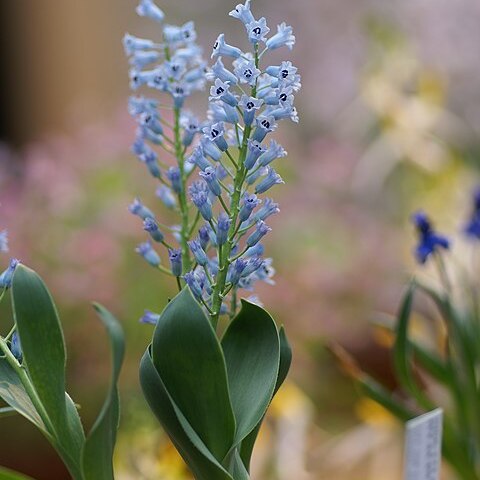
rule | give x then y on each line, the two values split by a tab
187	355
200	461
100	443
246	448
252	353
42	341
6	474
13	393
43	348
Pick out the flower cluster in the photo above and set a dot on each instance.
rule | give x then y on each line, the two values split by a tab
223	165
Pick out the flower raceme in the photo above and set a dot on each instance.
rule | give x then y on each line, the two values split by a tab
212	171
220	166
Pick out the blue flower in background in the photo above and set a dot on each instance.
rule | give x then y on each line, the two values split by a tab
429	241
472	228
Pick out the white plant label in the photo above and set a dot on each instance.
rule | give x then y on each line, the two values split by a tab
423	446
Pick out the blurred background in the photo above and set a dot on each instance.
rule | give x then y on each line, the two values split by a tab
390	116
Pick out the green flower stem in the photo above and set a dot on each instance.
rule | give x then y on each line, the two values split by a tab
224	186
237	132
227	169
164	270
229	155
167	123
171	152
207	274
222	201
194	224
166	245
236	257
169	140
212	225
224	253
182	196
